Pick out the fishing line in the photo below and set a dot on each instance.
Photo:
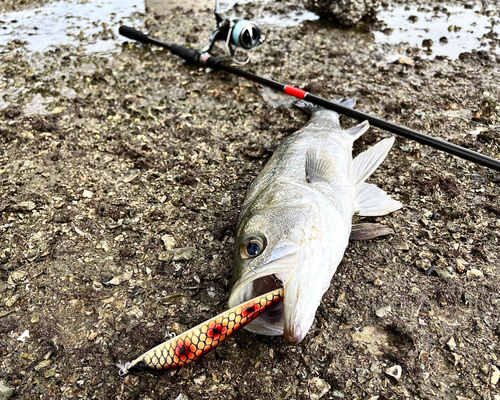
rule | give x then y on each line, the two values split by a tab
208	61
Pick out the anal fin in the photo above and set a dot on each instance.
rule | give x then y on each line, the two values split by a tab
372	201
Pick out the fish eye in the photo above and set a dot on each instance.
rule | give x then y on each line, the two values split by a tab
252	247
141	365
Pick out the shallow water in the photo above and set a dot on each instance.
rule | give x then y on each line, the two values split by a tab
452	29
92	24
69	22
74	22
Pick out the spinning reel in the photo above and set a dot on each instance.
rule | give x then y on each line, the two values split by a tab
235	33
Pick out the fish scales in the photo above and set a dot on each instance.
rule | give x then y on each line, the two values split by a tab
296	220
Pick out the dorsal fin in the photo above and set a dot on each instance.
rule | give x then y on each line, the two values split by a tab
358	130
368	161
320	166
311	108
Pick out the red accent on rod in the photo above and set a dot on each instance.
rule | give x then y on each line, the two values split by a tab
293	91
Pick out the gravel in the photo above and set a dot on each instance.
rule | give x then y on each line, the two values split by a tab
122	174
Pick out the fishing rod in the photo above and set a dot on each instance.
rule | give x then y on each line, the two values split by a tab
206	60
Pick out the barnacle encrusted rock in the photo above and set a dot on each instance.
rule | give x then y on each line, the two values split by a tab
344	12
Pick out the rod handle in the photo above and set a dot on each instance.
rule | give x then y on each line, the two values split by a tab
133	34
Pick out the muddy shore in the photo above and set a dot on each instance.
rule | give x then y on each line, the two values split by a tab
122	175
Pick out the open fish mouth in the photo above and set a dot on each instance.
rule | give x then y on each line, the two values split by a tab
270	275
272	318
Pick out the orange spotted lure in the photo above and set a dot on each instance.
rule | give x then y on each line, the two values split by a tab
198	341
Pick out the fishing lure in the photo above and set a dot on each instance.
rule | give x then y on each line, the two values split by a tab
187	347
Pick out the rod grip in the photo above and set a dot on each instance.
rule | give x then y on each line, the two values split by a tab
133	34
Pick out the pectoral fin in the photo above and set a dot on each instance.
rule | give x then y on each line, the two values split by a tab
320	166
373	201
369	231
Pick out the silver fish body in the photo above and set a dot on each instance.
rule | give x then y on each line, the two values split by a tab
296	220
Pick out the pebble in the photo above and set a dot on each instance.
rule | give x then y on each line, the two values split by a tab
406	61
104	246
474	273
165	256
427	43
130	177
168	241
6	391
11	300
452	345
182	254
395	372
135	312
461	265
442	273
423	264
91	335
495	375
25	335
399	244
49	373
382	312
120	279
456	358
318	388
23	206
16	277
43	364
199	380
87	194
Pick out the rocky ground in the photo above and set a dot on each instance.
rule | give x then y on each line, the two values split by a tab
122	175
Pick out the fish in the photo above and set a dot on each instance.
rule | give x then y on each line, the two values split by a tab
296	220
294	227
